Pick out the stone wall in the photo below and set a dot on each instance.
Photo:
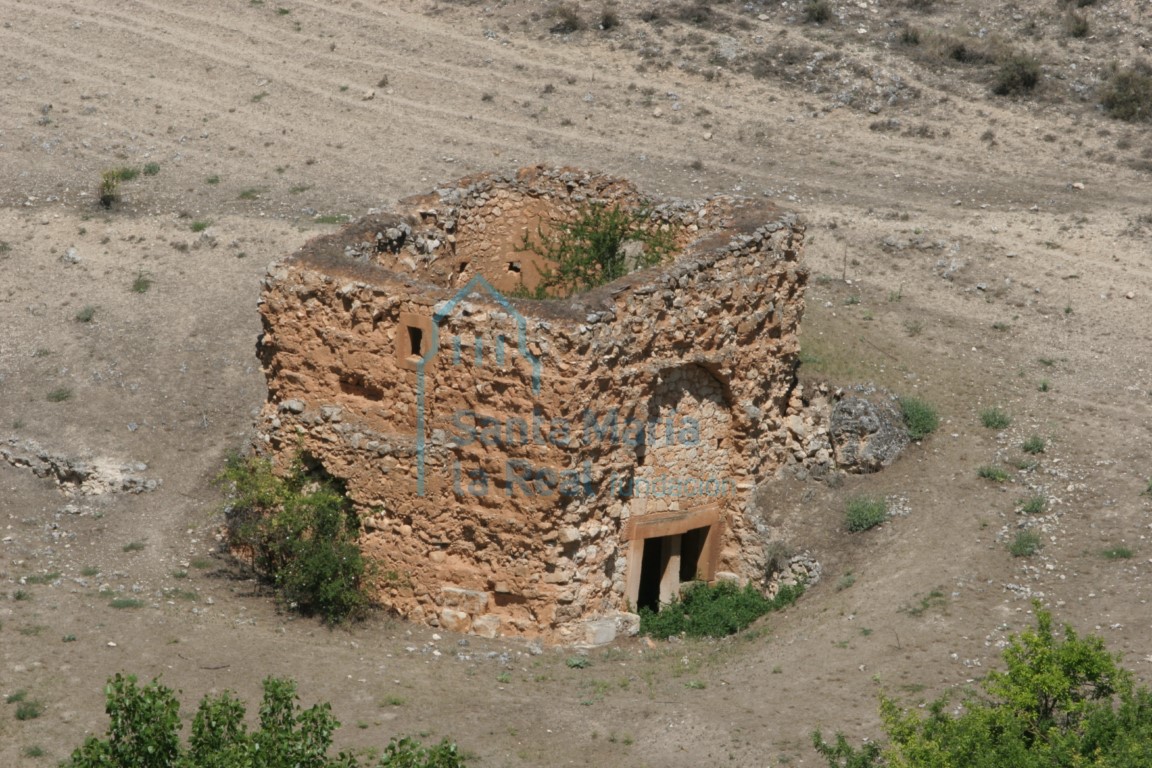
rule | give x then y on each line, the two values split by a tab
514	459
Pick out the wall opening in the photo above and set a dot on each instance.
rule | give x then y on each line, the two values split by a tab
353	384
651	572
667	563
415	341
414	335
691	547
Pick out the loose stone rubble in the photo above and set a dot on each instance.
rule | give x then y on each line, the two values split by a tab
542	468
87	477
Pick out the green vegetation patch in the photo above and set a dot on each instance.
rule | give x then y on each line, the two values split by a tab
302	532
1026	544
600	244
145	722
995	474
995	418
1060	701
1128	94
705	610
864	512
1117	553
920	418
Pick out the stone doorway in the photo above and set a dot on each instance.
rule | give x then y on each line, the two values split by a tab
668	550
667	563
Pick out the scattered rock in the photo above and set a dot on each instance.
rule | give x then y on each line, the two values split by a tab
867	435
92	477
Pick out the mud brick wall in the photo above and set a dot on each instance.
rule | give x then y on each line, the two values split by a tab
514	459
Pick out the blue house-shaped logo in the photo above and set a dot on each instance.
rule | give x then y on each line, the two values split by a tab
477	285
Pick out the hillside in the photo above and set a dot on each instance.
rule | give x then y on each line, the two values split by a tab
970	248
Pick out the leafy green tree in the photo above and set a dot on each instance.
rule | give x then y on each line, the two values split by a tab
600	244
301	531
1060	703
143	731
145	724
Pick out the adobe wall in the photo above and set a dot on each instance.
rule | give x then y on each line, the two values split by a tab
509	470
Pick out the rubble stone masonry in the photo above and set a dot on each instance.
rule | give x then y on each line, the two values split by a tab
539	467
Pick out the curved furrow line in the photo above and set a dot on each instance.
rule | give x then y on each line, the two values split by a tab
274	70
453	74
315	86
450	121
99	72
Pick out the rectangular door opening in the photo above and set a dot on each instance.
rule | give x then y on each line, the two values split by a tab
651	572
667	563
691	547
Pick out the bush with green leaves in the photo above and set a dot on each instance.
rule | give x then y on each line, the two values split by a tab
1018	75
1060	702
1117	553
1128	94
29	709
995	474
705	610
864	512
995	418
594	248
142	282
301	532
109	193
817	11
920	418
144	732
1026	544
1033	445
1034	504
60	394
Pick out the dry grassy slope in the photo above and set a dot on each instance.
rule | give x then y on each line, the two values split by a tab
258	98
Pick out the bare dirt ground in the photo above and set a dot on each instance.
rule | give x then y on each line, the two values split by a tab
971	249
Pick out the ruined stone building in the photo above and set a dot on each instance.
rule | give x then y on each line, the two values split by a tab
539	467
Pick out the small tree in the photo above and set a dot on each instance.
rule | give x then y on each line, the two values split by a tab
1059	702
109	188
1128	95
599	245
301	533
145	726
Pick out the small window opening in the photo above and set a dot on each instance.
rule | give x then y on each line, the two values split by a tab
415	340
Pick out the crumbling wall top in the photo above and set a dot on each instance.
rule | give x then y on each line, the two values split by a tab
431	245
